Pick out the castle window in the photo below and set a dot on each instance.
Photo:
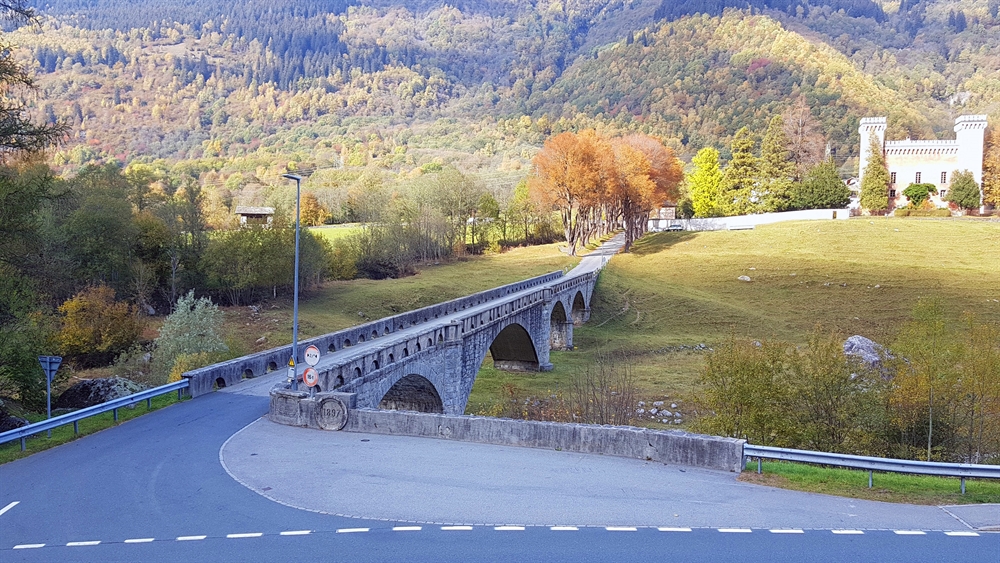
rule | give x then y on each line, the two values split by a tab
944	177
892	194
917	179
892	177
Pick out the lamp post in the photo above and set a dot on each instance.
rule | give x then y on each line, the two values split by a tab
295	290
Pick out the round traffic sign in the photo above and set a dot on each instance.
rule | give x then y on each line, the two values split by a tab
310	377
312	355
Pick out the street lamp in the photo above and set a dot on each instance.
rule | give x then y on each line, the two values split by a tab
295	290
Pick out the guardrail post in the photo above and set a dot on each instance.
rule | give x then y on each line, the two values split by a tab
758	466
149	404
76	427
869	479
963	485
115	413
22	443
179	394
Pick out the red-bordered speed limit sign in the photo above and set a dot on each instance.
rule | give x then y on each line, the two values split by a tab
310	377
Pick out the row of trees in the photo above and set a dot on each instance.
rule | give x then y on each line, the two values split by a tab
599	184
771	180
935	396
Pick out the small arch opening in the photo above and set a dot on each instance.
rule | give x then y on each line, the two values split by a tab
392	358
441	337
386	331
430	342
357	373
220	383
331	348
374	334
361	338
248	373
271	366
338	382
347	342
375	365
418	346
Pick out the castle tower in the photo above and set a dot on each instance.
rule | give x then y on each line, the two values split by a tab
969	132
870	127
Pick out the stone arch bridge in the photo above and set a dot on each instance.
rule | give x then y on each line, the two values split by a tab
424	360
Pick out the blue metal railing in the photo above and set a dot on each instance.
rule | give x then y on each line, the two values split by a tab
76	416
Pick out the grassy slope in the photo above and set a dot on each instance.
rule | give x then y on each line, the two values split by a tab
682	289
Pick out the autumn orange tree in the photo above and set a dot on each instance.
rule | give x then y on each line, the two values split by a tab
599	184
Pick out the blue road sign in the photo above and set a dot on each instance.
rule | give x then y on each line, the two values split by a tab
50	364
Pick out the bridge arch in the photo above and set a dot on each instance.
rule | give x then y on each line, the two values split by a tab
560	328
580	312
513	349
413	393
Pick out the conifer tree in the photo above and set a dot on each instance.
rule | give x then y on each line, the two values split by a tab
705	184
822	188
874	185
776	168
963	191
740	181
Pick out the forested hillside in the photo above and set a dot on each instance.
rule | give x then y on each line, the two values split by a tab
485	83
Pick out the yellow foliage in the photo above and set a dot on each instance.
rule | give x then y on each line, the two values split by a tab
188	362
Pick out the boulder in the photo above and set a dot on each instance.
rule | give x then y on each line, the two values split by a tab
90	392
10	422
869	352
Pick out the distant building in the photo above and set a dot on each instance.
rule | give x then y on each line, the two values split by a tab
926	162
254	215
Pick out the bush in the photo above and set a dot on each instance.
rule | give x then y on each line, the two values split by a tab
96	328
194	327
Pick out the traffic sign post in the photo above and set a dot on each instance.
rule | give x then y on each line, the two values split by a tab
50	365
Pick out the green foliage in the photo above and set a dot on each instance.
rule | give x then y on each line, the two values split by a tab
705	184
822	188
875	182
776	169
918	193
907	212
741	190
24	335
963	191
747	390
194	327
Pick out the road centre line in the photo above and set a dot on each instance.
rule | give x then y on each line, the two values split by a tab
735	530
140	540
82	543
407	528
9	506
456	528
620	529
247	535
909	533
848	532
563	528
296	533
352	530
29	546
191	538
787	531
962	534
509	528
674	529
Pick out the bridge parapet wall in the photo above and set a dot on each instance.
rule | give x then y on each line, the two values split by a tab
230	372
669	447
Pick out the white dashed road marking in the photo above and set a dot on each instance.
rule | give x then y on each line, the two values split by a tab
780	531
563	528
848	532
191	538
407	528
249	535
620	529
29	546
456	528
296	533
962	534
351	530
909	533
9	506
674	529
735	530
509	528
140	540
82	543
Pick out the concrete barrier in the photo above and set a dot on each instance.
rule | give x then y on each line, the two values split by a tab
665	446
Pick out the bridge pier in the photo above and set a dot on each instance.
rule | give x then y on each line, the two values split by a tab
561	335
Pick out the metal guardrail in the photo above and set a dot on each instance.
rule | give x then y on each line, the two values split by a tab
961	470
76	416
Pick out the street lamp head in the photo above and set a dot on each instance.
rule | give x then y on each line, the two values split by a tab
295	177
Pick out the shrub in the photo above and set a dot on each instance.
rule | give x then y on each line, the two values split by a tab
96	328
194	327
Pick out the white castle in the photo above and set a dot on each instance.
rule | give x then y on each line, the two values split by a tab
926	162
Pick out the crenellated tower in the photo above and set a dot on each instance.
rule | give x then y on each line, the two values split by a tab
871	127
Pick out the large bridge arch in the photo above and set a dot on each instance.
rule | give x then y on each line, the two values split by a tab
560	328
412	393
514	350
